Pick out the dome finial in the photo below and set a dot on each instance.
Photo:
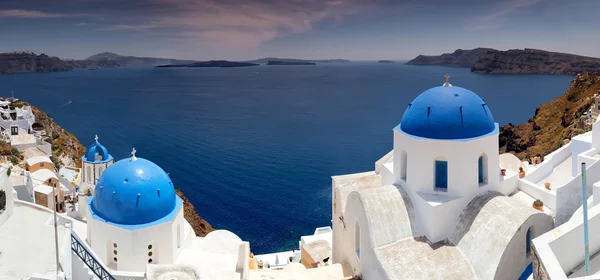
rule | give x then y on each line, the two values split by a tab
447	83
96	138
133	154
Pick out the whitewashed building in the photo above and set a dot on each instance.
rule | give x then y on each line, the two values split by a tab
15	120
437	206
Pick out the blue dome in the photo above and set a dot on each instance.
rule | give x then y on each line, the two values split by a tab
447	112
133	192
96	153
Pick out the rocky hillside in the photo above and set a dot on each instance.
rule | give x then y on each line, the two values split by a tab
553	122
26	62
63	143
525	61
459	58
532	61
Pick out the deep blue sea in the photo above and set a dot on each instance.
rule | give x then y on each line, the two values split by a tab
254	148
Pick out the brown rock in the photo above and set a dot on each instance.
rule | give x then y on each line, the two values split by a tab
554	123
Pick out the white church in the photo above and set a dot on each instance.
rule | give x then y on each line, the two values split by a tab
437	206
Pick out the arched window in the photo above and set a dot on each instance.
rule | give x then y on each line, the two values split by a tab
100	171
441	174
482	165
88	174
403	166
357	239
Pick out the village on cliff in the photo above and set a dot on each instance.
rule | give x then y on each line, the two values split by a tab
443	204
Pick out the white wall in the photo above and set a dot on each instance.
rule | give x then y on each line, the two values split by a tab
538	192
561	249
569	196
132	246
552	160
437	211
344	241
577	147
514	260
462	158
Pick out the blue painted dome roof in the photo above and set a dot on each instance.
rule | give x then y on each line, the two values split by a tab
133	192
96	153
447	112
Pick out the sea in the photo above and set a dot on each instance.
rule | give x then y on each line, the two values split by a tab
254	148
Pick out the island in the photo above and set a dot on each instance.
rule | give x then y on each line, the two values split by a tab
515	61
212	63
279	62
107	59
386	61
267	59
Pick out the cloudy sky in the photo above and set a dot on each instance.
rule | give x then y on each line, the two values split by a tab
312	29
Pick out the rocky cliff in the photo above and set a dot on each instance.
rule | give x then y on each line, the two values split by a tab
525	61
532	61
553	122
26	62
459	58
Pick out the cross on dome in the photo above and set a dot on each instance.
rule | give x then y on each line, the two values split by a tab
96	138
133	154
447	83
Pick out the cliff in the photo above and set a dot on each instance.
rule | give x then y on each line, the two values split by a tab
459	58
553	122
516	61
532	61
213	63
26	62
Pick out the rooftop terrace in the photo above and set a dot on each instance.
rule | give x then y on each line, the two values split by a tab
27	243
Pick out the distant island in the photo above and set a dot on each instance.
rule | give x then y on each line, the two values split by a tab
267	59
279	62
212	63
29	62
516	61
386	61
109	59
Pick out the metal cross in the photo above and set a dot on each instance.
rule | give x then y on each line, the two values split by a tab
447	78
96	138
133	154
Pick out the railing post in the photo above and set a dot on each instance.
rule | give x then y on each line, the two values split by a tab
585	220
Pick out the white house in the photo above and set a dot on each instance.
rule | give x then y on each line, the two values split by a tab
437	207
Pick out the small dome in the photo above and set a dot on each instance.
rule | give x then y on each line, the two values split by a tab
96	153
447	112
132	192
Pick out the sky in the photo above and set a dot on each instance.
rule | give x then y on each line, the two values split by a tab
306	29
